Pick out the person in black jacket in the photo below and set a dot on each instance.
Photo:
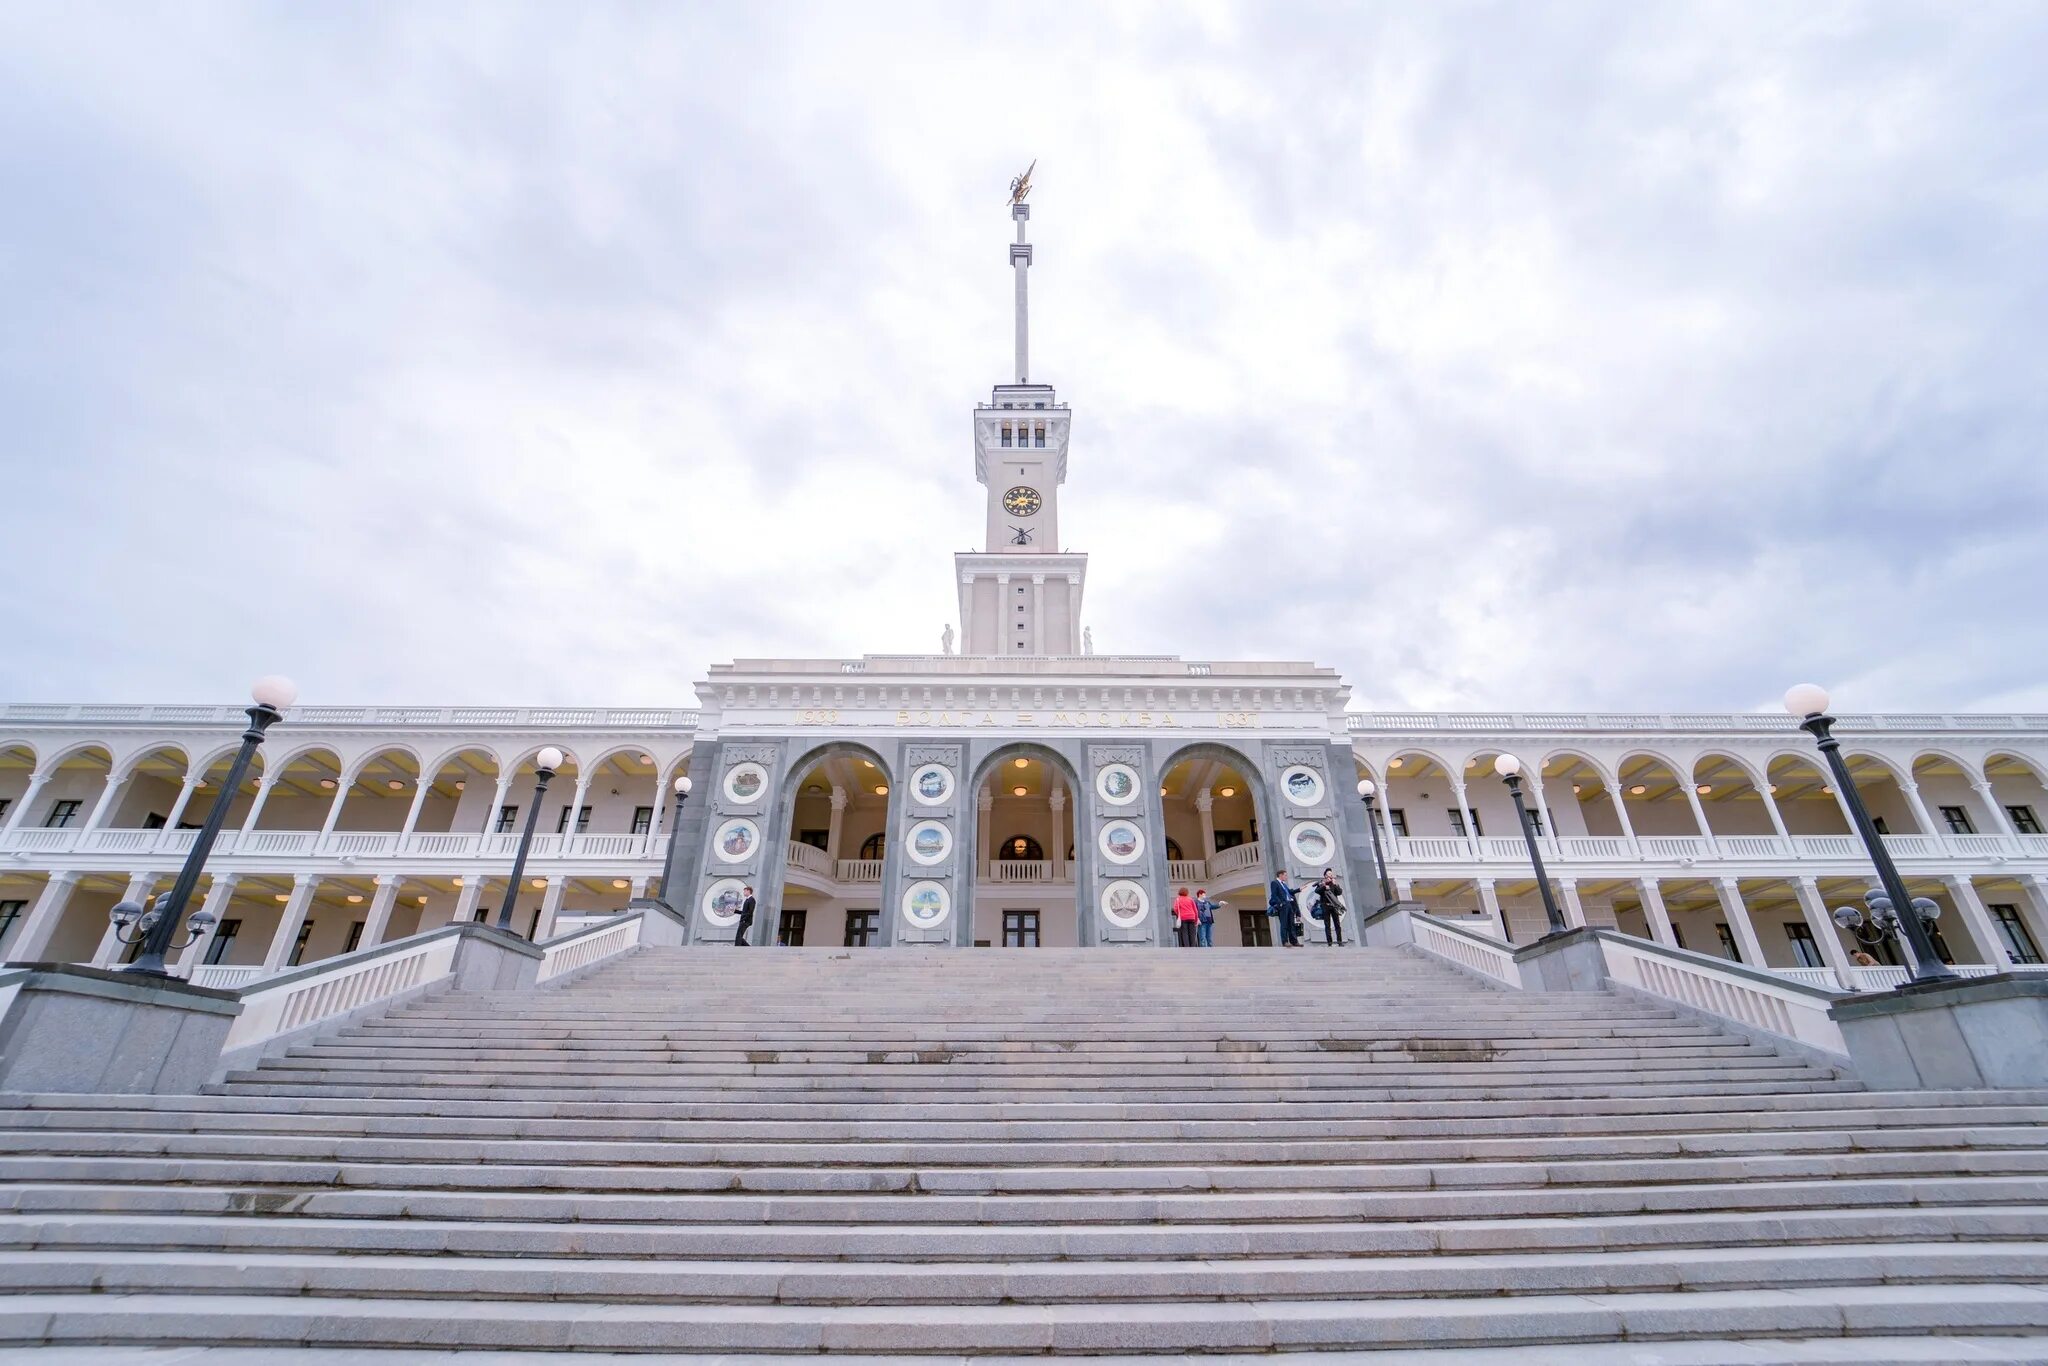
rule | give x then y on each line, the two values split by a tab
1330	894
739	936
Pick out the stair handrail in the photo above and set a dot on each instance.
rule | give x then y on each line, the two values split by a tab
320	991
1466	947
1748	996
590	945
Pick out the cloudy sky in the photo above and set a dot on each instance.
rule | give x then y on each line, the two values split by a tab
1629	356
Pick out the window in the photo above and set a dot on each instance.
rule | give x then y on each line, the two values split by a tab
1228	839
1877	824
1535	822
1020	929
791	929
223	941
61	815
355	937
5	802
1254	929
1398	819
1728	948
582	820
1677	935
643	819
483	913
1458	821
1941	948
299	947
871	847
1173	852
814	838
10	912
153	821
2022	818
1020	847
1038	436
508	816
2019	945
862	928
1803	947
1958	820
1006	436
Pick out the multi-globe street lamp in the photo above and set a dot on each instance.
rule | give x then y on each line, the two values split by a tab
1510	770
1809	701
1366	788
544	765
157	925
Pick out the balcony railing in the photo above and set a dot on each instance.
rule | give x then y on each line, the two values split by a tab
1020	870
810	858
1188	870
1235	859
860	870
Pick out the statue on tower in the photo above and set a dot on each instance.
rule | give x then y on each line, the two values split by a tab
1021	185
946	638
1087	640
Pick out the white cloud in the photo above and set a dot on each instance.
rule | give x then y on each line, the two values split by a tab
1618	357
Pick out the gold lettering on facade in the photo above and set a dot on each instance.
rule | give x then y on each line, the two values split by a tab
1237	720
818	716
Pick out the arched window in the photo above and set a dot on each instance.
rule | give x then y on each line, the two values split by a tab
871	847
1021	847
1173	853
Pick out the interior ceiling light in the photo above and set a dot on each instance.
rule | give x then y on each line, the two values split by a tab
459	784
327	782
881	789
1018	791
813	788
1638	790
1774	789
621	883
867	763
456	880
1704	789
1395	763
283	896
1021	763
1827	792
422	899
1576	789
395	785
355	898
1226	792
539	883
647	758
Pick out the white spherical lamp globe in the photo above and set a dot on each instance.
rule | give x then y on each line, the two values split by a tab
549	758
1507	765
274	691
1365	787
1806	699
683	785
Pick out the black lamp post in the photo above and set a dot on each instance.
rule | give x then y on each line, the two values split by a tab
1510	769
157	926
1810	701
1372	823
668	862
544	765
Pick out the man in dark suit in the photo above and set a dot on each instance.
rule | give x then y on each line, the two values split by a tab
739	936
1280	903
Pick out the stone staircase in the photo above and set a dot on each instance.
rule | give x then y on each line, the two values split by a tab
1052	1152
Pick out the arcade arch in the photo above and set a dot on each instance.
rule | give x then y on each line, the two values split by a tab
1025	793
835	848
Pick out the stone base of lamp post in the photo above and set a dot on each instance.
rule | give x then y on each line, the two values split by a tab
491	959
1567	960
67	1027
1979	1033
662	924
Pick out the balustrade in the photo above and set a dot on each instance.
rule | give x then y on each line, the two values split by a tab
1187	870
1675	847
273	842
1236	859
1020	870
860	870
809	857
359	843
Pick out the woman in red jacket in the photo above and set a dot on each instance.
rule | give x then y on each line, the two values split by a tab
1185	914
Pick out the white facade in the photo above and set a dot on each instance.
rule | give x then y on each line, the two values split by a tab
1023	790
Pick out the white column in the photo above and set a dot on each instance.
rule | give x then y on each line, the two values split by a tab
466	903
835	825
1815	909
655	822
379	918
1628	831
1729	891
1997	809
985	803
137	891
1911	790
108	795
1056	850
342	785
1535	780
1655	913
550	908
293	916
1205	807
36	783
497	801
412	813
1489	898
1777	817
639	888
1465	814
1699	814
192	781
263	786
1574	910
39	926
576	808
1990	945
218	894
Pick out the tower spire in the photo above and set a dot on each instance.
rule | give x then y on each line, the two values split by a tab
1020	258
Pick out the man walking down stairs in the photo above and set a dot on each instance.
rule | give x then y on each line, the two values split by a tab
1063	1152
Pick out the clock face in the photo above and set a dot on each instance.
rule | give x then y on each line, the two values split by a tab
1022	501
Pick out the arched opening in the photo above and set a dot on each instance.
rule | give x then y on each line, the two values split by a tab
17	769
1658	808
1421	810
1214	808
1580	805
381	794
53	813
2017	788
455	803
836	847
299	794
1025	891
1948	791
1734	807
1805	797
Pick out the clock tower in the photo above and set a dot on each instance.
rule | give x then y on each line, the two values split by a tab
1021	594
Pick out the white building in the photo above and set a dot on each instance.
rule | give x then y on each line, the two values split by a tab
1022	791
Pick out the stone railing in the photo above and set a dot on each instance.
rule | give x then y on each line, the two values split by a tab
288	1003
1403	723
588	946
1020	870
860	870
379	718
1236	859
1188	870
1695	849
810	858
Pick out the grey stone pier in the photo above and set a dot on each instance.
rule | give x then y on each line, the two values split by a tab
66	1027
1980	1033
